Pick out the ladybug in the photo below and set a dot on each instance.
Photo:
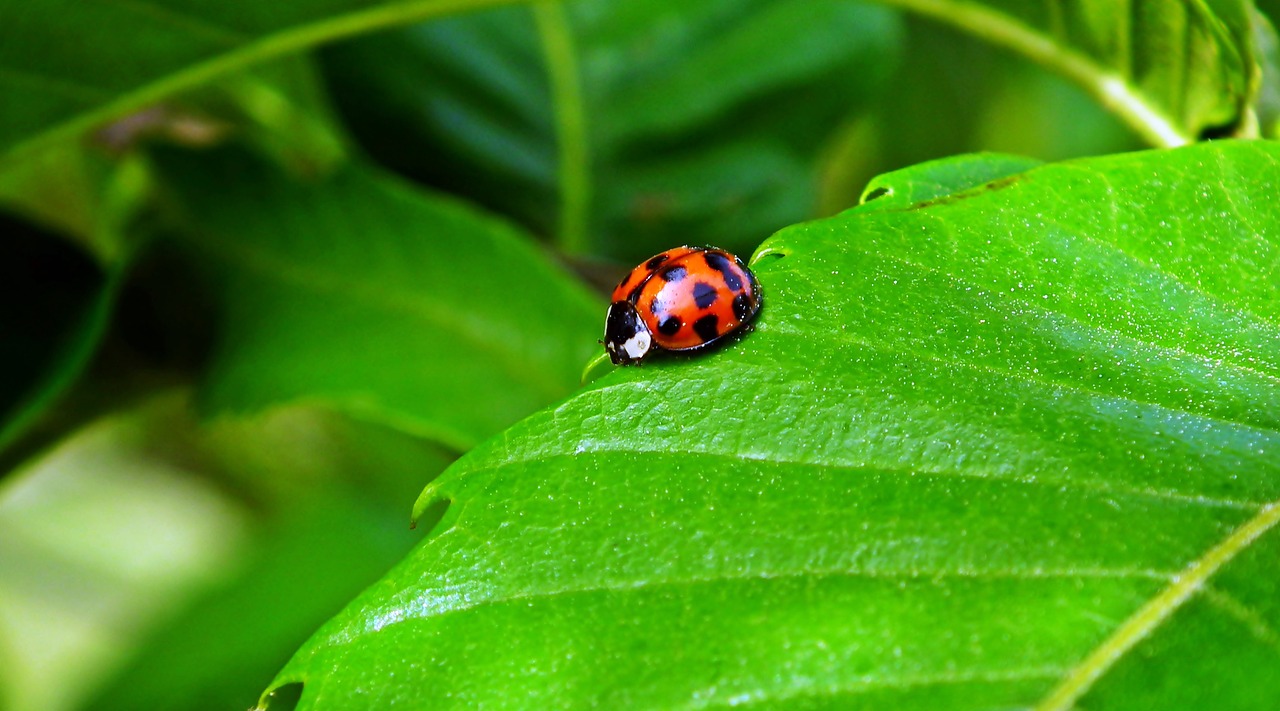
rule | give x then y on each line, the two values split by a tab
684	299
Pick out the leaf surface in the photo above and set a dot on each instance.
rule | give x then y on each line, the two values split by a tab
387	302
1011	447
66	66
674	128
1174	70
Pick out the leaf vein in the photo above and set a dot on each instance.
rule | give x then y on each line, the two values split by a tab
1042	382
869	683
1144	621
1251	619
440	486
425	603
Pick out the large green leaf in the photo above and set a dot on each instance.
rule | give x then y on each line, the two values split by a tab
622	126
385	301
1005	448
1174	70
67	65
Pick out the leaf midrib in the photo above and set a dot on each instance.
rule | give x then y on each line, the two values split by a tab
1156	611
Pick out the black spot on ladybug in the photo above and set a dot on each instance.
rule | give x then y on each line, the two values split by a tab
704	294
634	296
741	307
656	262
721	263
705	327
716	261
674	273
669	325
657	309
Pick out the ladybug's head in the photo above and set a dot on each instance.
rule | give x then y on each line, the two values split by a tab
626	338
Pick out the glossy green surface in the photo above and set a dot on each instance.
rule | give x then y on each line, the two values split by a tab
1012	448
678	127
67	66
385	301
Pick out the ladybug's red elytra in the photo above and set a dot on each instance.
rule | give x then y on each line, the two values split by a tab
681	300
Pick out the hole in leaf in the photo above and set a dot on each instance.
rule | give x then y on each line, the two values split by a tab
431	517
876	193
282	698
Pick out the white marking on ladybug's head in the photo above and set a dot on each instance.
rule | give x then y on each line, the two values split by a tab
626	337
636	346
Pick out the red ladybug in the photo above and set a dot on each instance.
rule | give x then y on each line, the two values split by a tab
681	300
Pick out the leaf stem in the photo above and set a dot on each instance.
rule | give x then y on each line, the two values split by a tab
1156	611
267	47
1106	86
571	124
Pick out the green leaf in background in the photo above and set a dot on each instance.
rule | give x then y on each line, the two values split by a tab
954	94
1174	70
1011	448
1267	47
390	303
633	125
154	562
338	524
66	65
101	539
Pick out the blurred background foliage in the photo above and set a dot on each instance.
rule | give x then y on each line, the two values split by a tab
247	322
